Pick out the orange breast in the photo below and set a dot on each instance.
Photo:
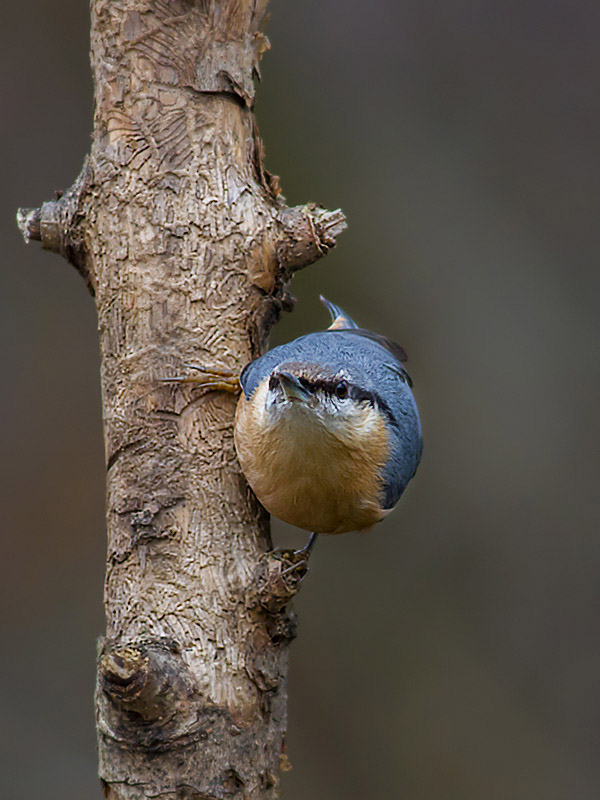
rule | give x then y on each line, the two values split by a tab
308	475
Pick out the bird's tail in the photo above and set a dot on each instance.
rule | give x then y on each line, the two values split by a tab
340	320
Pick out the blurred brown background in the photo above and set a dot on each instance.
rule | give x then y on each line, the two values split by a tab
454	652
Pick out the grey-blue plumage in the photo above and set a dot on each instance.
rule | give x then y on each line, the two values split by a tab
373	367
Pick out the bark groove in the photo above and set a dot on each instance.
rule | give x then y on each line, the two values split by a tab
186	243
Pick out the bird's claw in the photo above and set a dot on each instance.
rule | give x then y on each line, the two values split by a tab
280	574
300	557
210	379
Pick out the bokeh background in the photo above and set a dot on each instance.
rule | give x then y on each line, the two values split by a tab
454	652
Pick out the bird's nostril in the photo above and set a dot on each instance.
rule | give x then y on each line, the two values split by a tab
273	381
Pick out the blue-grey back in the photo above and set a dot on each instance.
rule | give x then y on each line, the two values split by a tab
373	367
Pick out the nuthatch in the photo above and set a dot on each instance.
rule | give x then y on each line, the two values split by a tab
327	430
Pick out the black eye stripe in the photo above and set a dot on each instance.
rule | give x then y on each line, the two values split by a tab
332	388
374	399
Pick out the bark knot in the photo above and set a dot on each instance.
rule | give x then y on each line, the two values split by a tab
59	225
309	232
146	678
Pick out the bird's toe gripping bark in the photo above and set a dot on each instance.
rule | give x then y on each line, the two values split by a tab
209	379
278	578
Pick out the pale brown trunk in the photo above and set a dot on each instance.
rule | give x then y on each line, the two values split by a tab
187	246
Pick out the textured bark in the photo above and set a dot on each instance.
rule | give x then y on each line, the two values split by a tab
187	246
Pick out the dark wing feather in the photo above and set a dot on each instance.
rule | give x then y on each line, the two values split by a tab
391	346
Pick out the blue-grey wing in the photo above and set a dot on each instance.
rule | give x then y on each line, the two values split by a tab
406	447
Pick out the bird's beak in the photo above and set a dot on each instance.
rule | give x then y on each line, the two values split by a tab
292	388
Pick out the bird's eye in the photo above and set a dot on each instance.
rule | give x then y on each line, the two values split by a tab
341	390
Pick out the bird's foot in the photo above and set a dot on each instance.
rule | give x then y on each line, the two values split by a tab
209	379
299	558
280	574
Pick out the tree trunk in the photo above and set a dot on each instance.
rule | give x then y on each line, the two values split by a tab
187	246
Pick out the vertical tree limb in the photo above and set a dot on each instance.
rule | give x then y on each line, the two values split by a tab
187	246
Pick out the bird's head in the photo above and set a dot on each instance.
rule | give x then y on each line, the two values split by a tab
314	394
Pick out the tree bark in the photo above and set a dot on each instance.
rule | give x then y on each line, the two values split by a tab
187	245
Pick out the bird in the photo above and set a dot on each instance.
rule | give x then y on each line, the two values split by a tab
327	430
